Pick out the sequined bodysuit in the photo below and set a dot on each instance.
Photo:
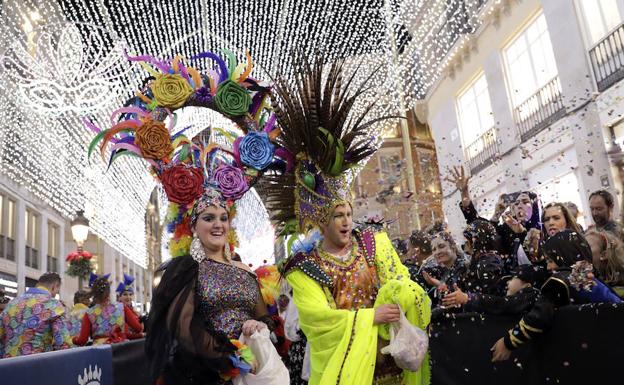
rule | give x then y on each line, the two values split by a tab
228	295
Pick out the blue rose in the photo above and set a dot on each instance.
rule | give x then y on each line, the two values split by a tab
256	150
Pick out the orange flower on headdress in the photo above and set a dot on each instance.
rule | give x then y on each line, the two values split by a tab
171	90
152	137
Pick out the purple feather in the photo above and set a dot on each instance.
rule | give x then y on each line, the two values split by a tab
223	71
149	59
287	156
268	126
256	101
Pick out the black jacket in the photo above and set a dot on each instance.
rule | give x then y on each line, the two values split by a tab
518	303
484	275
555	292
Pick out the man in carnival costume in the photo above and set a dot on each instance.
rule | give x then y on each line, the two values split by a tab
34	322
347	288
206	297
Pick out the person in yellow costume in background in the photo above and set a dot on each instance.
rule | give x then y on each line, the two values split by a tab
347	287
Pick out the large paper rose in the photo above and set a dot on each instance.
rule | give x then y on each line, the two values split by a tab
153	140
183	184
231	181
256	150
171	90
232	99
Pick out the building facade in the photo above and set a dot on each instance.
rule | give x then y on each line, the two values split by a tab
382	189
531	99
35	239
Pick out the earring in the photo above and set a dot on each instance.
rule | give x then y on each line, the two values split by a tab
197	249
227	252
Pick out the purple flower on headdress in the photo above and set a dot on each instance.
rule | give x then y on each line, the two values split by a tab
203	95
231	181
256	150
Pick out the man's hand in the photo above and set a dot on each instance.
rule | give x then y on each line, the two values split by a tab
387	313
500	351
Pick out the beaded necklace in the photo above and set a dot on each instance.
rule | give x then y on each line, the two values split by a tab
343	260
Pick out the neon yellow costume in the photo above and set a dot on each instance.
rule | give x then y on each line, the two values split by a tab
344	342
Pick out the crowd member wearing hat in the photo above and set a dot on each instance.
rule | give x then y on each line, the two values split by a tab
34	322
125	295
567	254
105	322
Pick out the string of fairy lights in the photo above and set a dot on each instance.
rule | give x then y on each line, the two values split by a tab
62	61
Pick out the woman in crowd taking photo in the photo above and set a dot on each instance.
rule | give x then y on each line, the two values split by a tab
519	213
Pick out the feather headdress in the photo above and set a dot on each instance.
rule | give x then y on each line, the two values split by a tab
325	136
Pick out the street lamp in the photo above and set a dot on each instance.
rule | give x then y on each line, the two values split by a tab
80	260
80	228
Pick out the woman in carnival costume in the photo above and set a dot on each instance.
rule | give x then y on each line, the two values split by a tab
125	295
206	297
347	288
105	322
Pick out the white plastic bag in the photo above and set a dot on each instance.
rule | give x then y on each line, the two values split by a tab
408	344
271	370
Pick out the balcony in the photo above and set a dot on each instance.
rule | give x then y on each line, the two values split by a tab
607	59
482	152
540	110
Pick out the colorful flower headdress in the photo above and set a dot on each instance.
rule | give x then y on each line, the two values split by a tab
319	125
126	285
189	169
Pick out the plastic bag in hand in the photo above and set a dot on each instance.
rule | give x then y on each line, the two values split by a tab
270	370
408	344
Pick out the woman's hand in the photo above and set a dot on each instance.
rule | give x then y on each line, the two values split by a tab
460	180
500	208
456	298
500	351
513	224
531	243
387	313
251	326
440	287
430	280
254	367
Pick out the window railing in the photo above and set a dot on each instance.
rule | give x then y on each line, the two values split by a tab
482	152
540	110
607	59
